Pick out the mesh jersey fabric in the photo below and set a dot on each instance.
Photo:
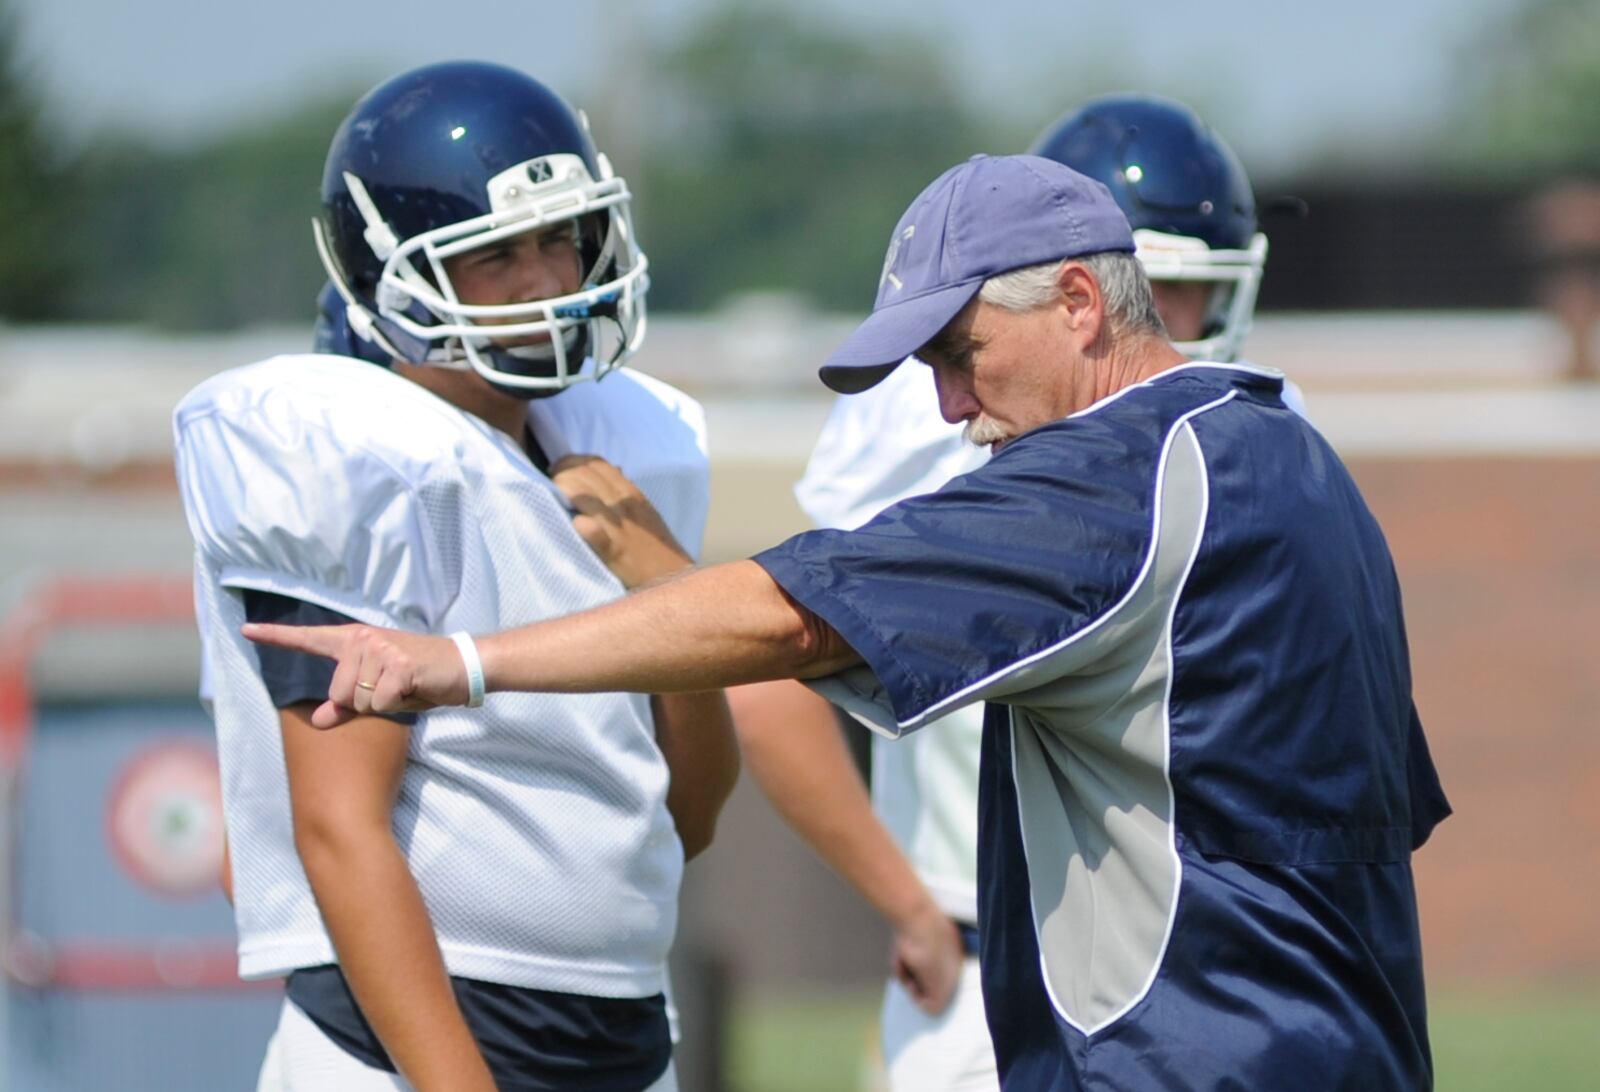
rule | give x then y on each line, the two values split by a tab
536	826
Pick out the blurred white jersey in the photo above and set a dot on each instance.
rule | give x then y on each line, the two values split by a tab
536	826
876	449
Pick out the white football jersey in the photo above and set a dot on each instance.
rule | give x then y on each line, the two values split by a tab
536	826
877	448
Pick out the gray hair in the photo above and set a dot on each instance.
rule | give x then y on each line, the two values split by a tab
1130	306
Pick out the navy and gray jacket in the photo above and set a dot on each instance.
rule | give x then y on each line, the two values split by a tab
1203	774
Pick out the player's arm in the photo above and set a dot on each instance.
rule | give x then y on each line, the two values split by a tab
796	752
693	730
342	790
695	734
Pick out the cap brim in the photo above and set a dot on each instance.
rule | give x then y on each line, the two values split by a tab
890	334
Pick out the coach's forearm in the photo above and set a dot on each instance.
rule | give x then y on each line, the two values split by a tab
705	630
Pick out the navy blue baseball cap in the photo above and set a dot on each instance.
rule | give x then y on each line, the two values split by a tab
988	216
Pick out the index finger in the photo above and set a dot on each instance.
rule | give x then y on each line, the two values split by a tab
318	640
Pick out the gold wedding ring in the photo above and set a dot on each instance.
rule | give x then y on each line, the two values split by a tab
366	686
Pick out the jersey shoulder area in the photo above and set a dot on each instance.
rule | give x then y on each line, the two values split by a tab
1292	395
1261	381
324	478
314	407
1117	443
1187	388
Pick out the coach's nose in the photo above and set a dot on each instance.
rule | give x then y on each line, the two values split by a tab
956	400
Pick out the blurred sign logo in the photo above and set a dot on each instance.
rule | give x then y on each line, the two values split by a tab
164	819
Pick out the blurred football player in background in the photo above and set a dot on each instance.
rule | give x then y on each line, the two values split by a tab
911	849
488	899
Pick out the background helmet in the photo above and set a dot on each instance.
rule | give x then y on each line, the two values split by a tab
1185	195
450	157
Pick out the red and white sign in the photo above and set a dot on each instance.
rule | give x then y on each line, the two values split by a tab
165	818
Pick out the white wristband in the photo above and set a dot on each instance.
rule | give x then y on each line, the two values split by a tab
469	656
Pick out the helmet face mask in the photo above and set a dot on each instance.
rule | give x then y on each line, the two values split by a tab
1186	196
1234	277
403	196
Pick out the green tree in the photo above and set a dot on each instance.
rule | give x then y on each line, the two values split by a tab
782	152
213	237
1532	108
35	192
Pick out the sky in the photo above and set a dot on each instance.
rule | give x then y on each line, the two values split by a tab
1284	82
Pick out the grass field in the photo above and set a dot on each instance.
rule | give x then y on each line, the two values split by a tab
1539	1042
800	1044
1549	1042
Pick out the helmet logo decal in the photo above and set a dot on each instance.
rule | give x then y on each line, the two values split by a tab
888	274
540	171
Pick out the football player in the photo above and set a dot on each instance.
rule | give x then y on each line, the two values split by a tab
1193	214
486	900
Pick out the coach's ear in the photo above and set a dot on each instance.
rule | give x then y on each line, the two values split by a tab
1080	306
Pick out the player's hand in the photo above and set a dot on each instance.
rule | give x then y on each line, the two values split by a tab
617	521
927	959
379	670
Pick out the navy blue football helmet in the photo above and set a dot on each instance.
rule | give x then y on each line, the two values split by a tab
451	157
1185	195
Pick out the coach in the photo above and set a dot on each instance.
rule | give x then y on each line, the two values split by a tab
1203	772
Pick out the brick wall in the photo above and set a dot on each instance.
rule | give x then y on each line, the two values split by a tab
1499	562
